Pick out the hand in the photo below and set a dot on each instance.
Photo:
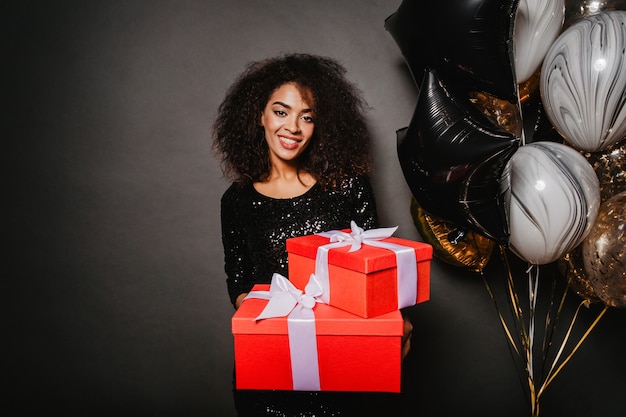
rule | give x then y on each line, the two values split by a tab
239	299
406	337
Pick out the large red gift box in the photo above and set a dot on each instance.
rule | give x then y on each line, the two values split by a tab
353	353
363	282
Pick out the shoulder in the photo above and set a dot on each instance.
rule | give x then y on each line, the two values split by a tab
234	194
356	183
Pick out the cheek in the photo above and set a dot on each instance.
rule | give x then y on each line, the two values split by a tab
267	119
269	125
308	132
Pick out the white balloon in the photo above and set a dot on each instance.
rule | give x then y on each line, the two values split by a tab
553	199
583	82
537	25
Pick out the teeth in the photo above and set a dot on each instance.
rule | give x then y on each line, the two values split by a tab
289	141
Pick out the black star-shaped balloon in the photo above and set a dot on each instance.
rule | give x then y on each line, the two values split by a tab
452	158
469	43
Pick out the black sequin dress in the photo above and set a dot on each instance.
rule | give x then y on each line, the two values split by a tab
255	227
254	230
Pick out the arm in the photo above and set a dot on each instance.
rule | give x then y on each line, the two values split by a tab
236	258
364	203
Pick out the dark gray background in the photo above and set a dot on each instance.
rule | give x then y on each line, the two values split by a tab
115	285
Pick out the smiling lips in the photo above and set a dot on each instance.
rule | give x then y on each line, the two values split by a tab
289	143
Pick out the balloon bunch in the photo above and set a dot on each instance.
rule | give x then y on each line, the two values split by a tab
452	154
583	85
517	141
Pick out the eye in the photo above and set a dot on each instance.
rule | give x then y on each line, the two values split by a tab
307	119
281	113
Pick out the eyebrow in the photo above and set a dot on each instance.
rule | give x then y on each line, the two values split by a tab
280	103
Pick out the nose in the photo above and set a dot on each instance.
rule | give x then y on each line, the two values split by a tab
292	124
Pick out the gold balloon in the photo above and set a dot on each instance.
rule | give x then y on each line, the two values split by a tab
571	267
610	167
579	9
472	252
604	252
500	112
529	87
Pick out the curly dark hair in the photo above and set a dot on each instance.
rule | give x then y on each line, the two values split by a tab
340	146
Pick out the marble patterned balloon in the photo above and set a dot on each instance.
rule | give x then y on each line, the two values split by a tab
604	252
537	25
553	200
583	82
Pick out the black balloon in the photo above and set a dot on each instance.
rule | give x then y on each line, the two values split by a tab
469	43
452	158
537	126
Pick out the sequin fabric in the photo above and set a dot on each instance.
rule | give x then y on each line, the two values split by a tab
255	227
254	230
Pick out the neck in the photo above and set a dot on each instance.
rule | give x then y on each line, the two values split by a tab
285	182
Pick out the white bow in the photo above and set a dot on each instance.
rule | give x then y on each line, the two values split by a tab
283	296
286	300
358	235
405	259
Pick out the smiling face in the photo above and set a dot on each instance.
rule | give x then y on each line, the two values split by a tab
288	123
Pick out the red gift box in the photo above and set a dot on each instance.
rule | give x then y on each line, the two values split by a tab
353	353
363	282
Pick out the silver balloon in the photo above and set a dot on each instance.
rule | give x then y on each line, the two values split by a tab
583	82
604	252
553	200
537	25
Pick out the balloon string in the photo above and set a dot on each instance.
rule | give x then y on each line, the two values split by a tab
513	348
516	312
537	379
526	336
502	321
530	360
551	322
552	375
519	109
532	304
513	298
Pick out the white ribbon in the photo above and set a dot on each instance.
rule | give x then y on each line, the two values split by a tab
285	299
405	259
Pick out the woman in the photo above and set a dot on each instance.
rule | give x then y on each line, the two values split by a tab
292	137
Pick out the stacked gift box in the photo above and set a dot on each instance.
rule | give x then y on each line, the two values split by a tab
339	327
